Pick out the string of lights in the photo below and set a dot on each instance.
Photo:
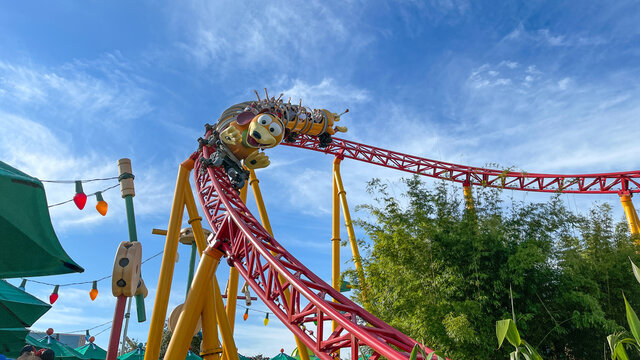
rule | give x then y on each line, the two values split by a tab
73	181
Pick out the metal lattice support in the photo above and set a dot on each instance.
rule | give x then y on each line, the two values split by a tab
606	183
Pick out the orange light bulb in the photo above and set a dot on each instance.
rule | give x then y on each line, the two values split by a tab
102	205
246	315
93	294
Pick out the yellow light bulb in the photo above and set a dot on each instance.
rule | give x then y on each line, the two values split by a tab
266	320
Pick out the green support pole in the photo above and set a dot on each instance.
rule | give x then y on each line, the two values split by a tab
192	264
133	236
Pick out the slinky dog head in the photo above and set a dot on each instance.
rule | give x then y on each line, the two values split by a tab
265	130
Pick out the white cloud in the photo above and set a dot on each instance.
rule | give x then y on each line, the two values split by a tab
70	95
549	38
328	93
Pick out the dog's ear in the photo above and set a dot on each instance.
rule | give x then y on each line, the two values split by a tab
244	118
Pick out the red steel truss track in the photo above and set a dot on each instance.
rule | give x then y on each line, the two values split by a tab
627	182
270	270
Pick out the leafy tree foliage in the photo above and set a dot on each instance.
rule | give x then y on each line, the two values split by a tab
441	273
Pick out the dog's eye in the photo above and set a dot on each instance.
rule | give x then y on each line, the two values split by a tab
264	119
275	129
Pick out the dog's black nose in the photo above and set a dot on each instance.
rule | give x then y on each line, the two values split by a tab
256	135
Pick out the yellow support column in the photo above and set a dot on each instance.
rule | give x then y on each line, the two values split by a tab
264	218
194	305
352	237
335	236
156	326
232	293
630	212
468	195
230	351
211	348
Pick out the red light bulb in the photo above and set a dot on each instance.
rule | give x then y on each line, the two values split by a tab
54	295
80	198
50	331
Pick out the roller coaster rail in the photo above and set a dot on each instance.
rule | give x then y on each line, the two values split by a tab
621	183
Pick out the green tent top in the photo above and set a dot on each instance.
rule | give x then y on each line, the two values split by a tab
19	309
12	341
62	351
283	356
92	351
137	354
29	245
242	357
32	341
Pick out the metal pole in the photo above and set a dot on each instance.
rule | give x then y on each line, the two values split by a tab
168	264
630	212
335	238
112	350
352	236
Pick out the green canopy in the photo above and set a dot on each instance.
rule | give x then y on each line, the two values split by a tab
19	309
29	245
282	356
242	357
92	351
137	354
62	351
12	341
32	341
192	356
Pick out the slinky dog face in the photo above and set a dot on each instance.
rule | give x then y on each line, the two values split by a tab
265	131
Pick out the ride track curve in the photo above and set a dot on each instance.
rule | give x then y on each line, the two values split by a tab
270	269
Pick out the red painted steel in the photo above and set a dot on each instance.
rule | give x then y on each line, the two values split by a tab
262	261
627	182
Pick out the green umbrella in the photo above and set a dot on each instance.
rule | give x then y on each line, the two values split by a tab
137	354
62	351
12	341
92	351
19	309
192	356
29	245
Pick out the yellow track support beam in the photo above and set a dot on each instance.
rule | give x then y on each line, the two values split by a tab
352	237
156	326
335	237
468	195
211	348
232	294
632	215
194	305
264	218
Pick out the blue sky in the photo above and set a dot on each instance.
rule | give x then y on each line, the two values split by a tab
539	86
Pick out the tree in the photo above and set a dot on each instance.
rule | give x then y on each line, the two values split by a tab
442	273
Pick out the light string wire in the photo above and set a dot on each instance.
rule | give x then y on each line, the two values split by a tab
70	200
73	181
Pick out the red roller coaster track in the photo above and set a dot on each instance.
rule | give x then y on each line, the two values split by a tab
270	270
627	182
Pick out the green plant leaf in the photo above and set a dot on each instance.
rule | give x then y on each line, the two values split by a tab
502	326
513	335
414	352
632	319
636	270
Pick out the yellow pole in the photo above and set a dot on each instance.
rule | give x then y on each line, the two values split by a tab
229	345
352	237
168	261
211	348
232	294
630	212
193	305
468	195
335	236
264	218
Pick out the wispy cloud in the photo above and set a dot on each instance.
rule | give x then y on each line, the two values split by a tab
71	95
547	37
